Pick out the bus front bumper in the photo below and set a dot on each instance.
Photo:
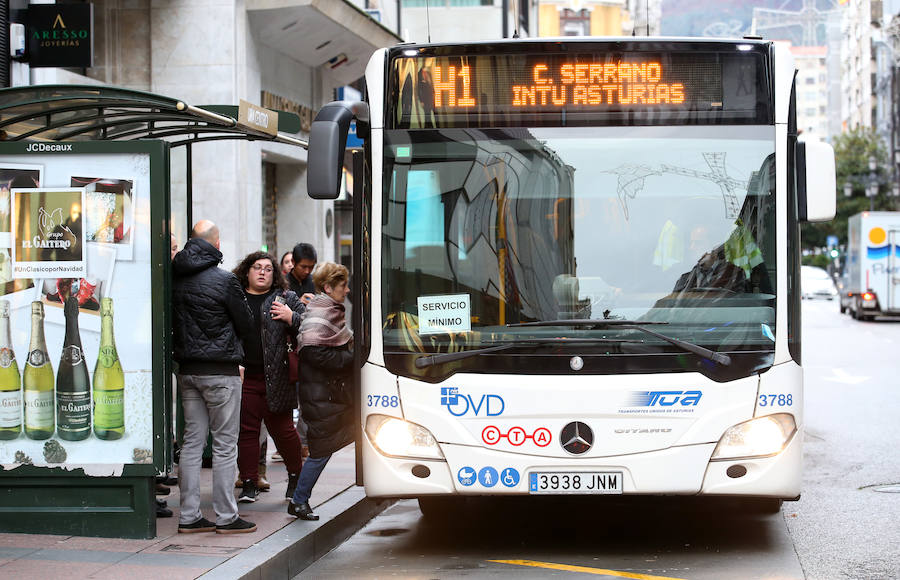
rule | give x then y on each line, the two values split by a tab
684	470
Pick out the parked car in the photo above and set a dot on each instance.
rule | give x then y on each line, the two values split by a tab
816	283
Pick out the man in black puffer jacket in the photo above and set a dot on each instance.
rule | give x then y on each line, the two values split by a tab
211	317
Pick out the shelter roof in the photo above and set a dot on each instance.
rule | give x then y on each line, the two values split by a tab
87	112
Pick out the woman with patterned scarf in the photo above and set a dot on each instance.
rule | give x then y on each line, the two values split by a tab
326	358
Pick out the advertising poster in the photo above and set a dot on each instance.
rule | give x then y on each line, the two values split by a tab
14	176
108	212
76	346
47	233
17	176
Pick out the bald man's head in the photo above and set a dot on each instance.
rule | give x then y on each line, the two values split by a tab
206	230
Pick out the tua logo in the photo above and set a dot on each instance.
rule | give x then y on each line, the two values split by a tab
459	405
666	398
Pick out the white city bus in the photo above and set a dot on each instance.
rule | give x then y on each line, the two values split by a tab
578	267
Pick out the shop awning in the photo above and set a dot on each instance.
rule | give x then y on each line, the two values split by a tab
91	113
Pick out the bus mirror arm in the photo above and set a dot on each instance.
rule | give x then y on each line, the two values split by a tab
327	142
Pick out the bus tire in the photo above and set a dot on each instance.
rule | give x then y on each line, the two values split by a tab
437	508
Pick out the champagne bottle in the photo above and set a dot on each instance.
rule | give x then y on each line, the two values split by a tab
38	380
109	380
10	381
73	391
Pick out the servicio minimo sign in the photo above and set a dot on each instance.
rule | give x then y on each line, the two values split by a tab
446	313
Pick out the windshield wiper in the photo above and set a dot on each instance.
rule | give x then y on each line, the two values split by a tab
443	357
718	357
433	359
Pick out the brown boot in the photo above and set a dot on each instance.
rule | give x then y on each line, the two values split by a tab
261	482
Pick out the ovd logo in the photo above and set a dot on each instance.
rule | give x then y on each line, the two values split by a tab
459	405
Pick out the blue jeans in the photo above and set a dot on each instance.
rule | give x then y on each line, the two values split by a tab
210	403
309	475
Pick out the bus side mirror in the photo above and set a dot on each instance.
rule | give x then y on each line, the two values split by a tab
327	142
815	181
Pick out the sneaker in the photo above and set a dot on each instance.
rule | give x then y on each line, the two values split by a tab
201	525
249	493
162	511
238	526
292	485
302	511
277	457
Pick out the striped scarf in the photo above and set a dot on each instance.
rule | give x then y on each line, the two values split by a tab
324	323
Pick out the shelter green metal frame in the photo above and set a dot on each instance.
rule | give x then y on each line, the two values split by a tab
69	502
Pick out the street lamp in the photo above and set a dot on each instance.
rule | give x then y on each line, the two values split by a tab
872	188
871	184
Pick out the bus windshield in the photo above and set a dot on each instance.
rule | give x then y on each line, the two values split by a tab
486	229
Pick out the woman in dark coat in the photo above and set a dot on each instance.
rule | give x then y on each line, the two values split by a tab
326	359
267	394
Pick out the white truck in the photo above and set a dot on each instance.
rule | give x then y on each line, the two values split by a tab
871	282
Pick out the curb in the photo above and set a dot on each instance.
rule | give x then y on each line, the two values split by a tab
292	549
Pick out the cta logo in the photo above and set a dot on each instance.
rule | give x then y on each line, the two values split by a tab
459	405
516	436
665	398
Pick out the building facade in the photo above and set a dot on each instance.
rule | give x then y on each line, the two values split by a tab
599	18
467	20
288	54
812	91
856	66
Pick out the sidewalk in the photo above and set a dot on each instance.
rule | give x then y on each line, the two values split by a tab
281	547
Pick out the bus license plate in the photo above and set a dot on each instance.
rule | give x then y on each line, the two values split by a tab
575	482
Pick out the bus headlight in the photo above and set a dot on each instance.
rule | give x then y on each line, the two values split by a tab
756	438
399	438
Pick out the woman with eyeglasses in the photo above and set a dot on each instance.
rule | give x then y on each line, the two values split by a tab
268	394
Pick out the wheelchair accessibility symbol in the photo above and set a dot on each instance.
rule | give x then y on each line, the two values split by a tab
509	477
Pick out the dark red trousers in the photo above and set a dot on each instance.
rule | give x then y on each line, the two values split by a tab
255	410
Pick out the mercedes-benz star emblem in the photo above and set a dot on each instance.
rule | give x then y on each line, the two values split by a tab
576	438
576	363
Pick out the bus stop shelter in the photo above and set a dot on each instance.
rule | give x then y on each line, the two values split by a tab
85	209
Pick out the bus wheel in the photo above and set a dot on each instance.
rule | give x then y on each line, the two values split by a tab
436	508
